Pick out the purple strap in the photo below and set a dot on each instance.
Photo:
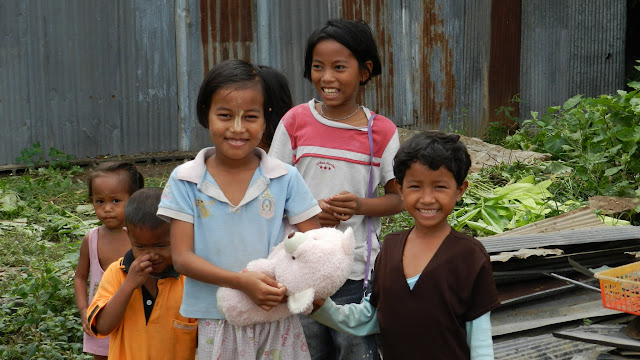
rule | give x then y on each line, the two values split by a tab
369	219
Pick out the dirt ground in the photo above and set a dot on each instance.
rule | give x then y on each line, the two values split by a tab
485	155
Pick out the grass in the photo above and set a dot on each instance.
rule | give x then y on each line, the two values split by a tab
44	214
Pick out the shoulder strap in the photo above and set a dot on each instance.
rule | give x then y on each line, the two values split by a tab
370	194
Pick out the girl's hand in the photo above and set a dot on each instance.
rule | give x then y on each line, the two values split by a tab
139	271
326	217
343	205
262	289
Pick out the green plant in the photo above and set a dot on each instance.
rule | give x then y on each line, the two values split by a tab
31	156
34	156
39	319
488	209
595	137
506	121
59	159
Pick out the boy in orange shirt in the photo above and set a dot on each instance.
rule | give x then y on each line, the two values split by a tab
139	298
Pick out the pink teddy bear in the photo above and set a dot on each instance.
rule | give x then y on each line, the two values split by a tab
312	265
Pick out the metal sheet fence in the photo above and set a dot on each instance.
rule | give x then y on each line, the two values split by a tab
121	77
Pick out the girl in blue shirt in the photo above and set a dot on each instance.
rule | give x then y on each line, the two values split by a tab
226	208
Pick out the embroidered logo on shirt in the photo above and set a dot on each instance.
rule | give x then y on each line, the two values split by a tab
266	204
202	207
184	326
325	165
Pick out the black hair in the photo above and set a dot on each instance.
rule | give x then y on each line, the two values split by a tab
355	35
230	72
277	100
142	207
435	150
136	180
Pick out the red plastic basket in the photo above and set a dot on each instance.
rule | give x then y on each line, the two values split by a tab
620	288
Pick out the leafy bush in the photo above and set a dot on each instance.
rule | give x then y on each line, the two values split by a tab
596	138
40	233
34	156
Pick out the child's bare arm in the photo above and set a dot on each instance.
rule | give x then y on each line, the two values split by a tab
111	314
261	288
326	217
309	224
80	283
346	204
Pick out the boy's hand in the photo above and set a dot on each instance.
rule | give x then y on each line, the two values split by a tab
343	205
317	304
139	271
262	289
326	217
85	323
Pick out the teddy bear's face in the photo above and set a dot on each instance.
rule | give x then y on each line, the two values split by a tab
314	258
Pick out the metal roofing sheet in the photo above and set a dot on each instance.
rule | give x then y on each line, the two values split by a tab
559	238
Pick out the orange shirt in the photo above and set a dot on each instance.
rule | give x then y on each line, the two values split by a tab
167	335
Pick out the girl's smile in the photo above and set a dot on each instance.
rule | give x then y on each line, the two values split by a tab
336	75
236	121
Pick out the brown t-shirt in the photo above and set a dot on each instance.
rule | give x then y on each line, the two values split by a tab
429	321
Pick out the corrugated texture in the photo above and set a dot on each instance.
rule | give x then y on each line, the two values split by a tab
495	244
98	78
545	347
582	218
87	78
570	47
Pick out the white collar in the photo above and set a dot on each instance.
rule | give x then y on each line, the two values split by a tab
194	170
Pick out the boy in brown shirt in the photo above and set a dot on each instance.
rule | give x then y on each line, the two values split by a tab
433	287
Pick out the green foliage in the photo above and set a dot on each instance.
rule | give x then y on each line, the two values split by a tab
40	234
397	222
488	209
497	131
35	157
38	317
595	138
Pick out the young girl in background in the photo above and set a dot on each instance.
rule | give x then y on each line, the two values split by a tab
110	186
277	94
226	208
343	151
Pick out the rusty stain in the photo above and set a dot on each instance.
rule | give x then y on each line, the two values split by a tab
373	15
227	30
504	60
434	41
204	33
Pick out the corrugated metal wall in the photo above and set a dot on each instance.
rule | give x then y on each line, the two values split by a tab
121	77
87	78
570	47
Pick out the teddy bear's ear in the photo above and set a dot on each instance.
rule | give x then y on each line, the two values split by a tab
348	241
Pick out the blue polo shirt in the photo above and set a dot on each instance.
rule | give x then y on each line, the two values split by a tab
230	236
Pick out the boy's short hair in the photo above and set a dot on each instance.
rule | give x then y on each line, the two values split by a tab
142	207
135	178
435	150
